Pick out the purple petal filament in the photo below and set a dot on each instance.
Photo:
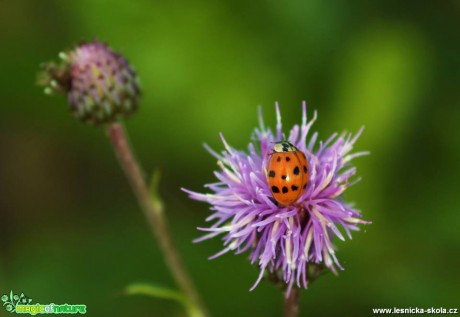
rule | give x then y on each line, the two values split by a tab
283	238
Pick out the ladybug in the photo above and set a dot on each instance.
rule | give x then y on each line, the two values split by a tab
287	173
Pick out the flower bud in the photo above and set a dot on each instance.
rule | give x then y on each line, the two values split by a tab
100	84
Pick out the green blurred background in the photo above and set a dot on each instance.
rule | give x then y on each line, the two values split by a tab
70	228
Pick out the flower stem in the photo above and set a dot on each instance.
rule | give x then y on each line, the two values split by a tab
152	207
291	305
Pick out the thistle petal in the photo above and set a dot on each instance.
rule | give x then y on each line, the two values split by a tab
278	237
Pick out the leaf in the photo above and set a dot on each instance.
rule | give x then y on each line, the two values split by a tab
164	293
154	291
154	182
153	188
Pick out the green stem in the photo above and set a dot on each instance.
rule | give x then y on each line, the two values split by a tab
291	305
153	211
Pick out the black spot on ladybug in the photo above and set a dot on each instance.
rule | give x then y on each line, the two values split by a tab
305	169
288	158
285	189
278	159
283	176
294	187
304	186
271	174
275	189
296	170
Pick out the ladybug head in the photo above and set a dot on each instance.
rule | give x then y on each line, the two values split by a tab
284	146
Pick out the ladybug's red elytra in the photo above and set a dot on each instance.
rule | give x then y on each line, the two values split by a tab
287	173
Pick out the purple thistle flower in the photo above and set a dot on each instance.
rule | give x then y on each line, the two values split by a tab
100	84
283	240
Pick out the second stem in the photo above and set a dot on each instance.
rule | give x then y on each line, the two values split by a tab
153	211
